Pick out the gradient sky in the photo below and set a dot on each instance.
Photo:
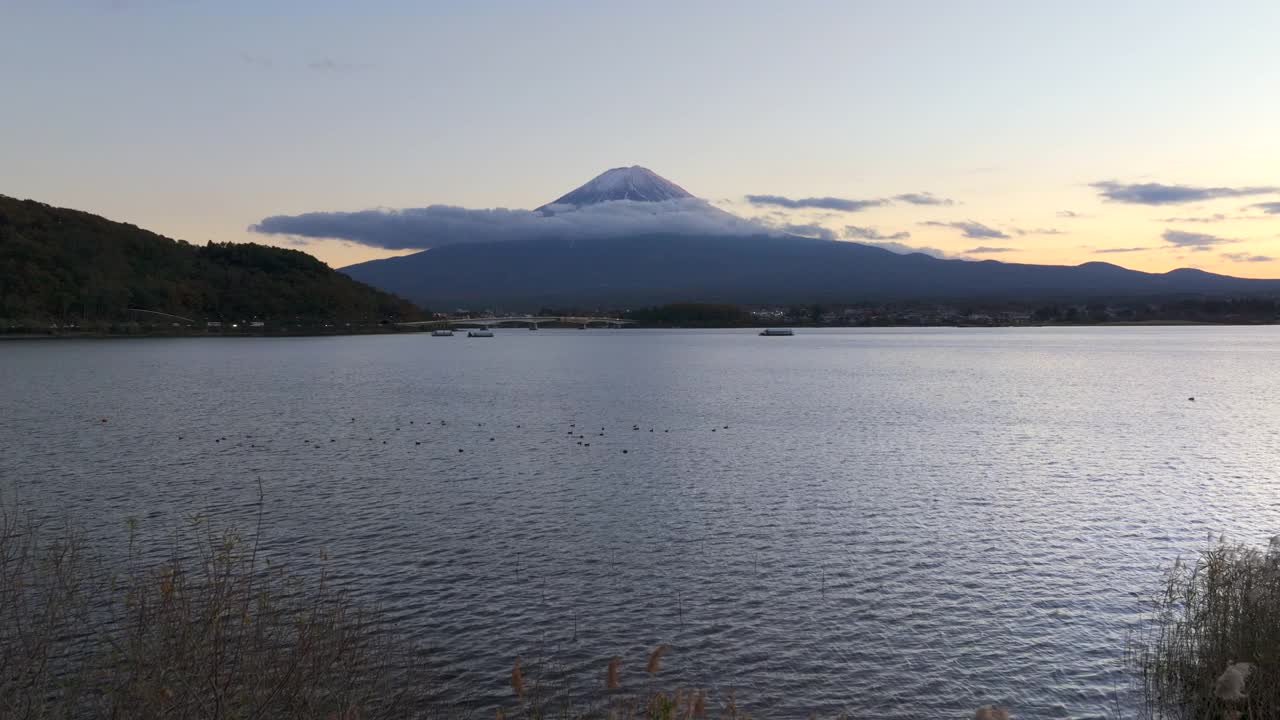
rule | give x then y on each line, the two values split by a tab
197	119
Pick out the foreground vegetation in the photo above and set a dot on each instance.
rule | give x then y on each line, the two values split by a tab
68	267
1211	649
210	629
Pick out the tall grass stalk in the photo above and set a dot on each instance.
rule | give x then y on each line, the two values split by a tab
1211	647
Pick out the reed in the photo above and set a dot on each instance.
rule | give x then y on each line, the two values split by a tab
206	631
611	681
517	679
655	659
1210	648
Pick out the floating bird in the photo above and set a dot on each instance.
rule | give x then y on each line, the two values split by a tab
1191	399
624	452
417	443
459	449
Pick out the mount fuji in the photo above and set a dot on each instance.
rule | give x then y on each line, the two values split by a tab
622	183
630	237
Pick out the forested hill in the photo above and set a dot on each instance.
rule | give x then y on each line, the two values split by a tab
67	266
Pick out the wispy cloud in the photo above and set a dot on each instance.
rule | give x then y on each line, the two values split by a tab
1246	257
870	233
808	230
1038	231
904	249
823	203
437	225
970	229
923	198
327	64
1194	240
986	250
1070	214
261	62
890	241
847	204
1215	218
1270	208
1160	194
1108	251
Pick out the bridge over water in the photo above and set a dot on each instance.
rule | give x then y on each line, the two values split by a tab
528	320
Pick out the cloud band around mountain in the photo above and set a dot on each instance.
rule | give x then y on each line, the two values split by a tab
437	225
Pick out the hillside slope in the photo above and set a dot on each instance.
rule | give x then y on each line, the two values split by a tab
58	264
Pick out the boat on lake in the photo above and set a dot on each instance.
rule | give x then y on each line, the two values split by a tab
776	332
479	333
441	333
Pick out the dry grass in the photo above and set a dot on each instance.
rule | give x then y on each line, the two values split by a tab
1211	648
541	697
208	632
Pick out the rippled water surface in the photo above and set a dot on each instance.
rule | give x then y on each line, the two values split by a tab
906	522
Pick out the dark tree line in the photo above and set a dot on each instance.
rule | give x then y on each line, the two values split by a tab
68	266
691	315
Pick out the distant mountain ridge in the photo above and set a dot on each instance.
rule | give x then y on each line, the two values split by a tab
760	269
64	265
763	268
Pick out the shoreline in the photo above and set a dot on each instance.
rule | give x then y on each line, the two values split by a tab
139	336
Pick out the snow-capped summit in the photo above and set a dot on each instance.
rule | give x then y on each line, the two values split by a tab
622	183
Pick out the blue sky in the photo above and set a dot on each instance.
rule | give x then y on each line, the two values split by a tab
198	119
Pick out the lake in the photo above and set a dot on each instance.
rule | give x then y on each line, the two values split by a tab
909	523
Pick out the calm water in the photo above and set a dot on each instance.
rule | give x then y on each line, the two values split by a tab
906	522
